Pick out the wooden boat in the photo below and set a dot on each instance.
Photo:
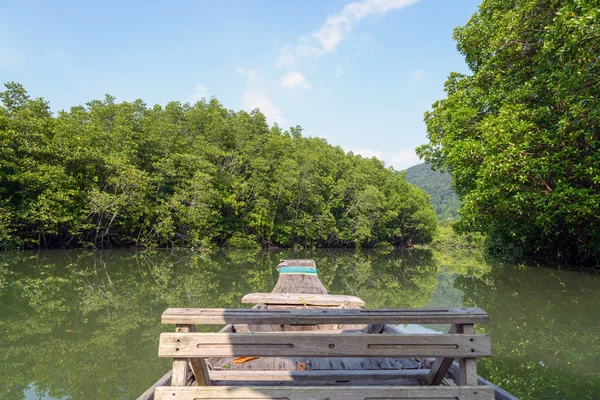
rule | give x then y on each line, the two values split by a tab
299	287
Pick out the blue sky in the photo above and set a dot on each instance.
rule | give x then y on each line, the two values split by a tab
358	73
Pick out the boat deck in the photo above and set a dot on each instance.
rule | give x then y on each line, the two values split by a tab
299	291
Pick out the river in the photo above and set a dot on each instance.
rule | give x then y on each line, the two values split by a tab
85	324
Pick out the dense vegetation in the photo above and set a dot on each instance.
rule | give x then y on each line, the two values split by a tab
438	185
199	175
521	134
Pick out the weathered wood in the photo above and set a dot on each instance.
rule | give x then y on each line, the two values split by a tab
314	345
180	372
220	316
300	263
319	363
302	299
318	375
331	393
440	365
314	332
199	368
180	365
468	366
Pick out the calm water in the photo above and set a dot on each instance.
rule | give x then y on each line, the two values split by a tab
85	325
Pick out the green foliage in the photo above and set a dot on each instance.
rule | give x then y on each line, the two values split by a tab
446	237
521	135
438	185
116	174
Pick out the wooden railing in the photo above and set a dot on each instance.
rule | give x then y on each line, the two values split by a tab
189	350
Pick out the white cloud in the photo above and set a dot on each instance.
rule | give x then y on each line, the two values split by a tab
199	92
254	96
258	99
339	71
293	80
399	159
417	75
335	28
251	74
404	158
11	58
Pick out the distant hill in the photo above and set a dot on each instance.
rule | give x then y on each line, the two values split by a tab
439	187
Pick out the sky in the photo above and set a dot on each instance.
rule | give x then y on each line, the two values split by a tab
360	73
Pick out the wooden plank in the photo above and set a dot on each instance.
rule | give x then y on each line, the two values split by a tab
218	316
199	368
441	365
468	366
180	372
180	365
313	345
331	393
314	332
307	262
302	298
318	375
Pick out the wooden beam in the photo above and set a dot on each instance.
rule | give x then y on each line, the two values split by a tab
199	368
218	316
468	366
180	365
180	345
319	375
332	393
302	298
298	263
441	365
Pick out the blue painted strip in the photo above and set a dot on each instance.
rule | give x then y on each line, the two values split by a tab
297	270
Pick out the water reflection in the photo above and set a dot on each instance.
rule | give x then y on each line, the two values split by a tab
83	325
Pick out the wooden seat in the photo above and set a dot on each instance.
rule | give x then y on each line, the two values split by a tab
189	349
303	298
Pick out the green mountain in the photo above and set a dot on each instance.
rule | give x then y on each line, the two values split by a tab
439	187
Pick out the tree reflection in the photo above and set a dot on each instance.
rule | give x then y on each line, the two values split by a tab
85	324
545	330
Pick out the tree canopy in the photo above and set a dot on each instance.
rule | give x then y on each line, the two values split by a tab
117	174
521	134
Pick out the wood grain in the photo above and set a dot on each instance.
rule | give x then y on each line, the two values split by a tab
178	345
218	316
468	366
180	365
331	393
302	299
318	375
441	365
